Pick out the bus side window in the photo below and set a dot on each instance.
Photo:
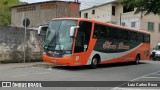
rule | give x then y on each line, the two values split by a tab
123	34
99	31
139	37
113	33
132	36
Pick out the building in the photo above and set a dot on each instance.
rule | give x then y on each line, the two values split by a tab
42	12
114	12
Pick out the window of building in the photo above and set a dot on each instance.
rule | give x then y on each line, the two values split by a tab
133	24
93	11
85	15
112	22
113	10
159	27
123	23
150	26
127	9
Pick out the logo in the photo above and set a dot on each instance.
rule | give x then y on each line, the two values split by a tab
6	84
21	84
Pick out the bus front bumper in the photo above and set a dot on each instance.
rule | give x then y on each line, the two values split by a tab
64	61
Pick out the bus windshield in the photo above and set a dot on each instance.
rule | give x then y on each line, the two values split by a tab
58	37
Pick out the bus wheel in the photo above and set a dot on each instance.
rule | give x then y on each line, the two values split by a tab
137	59
94	63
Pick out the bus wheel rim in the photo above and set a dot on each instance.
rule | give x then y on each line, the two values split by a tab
137	61
95	61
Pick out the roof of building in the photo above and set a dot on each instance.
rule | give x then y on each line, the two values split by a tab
43	2
114	1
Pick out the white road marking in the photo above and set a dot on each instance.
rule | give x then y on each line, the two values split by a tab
50	70
144	76
157	74
152	77
30	74
19	76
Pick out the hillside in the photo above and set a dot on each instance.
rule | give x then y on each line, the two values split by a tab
5	11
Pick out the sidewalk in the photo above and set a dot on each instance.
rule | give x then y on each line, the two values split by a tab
23	65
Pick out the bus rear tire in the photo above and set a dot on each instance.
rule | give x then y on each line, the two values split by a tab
94	63
137	59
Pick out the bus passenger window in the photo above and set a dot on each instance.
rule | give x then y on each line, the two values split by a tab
139	37
123	34
113	33
132	36
99	31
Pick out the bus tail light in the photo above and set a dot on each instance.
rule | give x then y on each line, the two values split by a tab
44	53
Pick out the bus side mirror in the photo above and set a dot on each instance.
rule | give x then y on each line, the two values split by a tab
72	30
42	30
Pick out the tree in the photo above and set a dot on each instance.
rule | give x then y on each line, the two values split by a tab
5	10
144	6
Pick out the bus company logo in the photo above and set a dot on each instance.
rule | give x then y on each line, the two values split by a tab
6	84
108	45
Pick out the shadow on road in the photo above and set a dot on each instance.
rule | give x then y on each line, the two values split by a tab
77	68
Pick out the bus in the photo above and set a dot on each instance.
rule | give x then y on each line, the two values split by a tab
80	41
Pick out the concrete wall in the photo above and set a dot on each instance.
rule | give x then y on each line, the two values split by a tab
127	18
12	45
102	13
155	34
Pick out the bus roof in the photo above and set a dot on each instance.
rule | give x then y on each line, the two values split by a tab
108	24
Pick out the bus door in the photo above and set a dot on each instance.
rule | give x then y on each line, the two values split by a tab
82	42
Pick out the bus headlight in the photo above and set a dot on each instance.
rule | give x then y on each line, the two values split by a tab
67	55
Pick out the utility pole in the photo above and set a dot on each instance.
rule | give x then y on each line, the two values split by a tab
120	19
26	23
76	0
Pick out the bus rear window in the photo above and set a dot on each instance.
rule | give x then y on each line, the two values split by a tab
146	38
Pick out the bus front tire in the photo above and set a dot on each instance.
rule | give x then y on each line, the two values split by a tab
94	63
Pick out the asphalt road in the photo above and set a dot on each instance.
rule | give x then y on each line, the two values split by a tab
145	71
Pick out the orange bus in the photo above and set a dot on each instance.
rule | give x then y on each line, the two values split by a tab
79	41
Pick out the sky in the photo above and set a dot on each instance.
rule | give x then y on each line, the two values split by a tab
84	3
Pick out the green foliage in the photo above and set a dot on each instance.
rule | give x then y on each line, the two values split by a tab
5	10
144	6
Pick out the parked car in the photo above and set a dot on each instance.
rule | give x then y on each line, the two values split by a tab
155	54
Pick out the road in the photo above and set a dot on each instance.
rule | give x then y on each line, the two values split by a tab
145	71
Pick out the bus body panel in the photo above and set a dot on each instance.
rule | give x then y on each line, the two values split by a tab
142	50
59	61
85	58
78	59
